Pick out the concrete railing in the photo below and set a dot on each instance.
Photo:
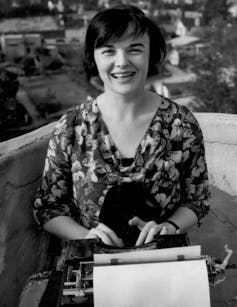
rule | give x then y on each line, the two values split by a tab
220	135
23	247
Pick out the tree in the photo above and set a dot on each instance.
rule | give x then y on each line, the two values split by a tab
9	85
215	9
216	69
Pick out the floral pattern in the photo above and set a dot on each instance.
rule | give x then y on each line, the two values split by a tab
82	163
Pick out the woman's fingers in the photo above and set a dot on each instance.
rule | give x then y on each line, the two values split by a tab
96	233
148	232
164	231
106	234
136	221
152	232
148	229
111	235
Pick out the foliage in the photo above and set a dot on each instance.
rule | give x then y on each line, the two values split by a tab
215	9
90	5
27	11
8	88
216	69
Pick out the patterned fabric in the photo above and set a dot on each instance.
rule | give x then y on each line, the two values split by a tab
82	163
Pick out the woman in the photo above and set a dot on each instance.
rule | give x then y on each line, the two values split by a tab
125	135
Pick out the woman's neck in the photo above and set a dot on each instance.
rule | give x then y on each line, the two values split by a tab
122	107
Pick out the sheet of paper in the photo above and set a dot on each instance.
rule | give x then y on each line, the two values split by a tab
164	284
156	255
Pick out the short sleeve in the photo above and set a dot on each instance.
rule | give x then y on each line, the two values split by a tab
195	192
54	196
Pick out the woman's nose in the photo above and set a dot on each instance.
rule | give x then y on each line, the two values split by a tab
121	59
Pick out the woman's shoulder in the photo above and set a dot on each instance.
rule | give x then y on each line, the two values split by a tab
77	114
175	110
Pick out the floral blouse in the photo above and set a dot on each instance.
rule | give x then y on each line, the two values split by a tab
82	163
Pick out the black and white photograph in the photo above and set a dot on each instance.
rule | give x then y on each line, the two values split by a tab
118	153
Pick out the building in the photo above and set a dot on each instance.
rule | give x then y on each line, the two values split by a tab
17	33
14	45
232	7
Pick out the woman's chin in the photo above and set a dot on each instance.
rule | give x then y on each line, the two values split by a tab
126	90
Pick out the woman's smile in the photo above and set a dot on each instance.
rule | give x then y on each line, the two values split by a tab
126	75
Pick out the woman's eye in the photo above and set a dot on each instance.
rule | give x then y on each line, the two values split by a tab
135	51
107	51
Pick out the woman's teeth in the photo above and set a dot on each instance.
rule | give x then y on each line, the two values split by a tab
123	75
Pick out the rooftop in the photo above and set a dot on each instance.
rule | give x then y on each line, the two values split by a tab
28	24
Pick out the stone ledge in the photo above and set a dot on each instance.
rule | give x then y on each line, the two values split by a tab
10	147
218	127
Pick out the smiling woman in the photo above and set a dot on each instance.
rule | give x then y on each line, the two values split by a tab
127	139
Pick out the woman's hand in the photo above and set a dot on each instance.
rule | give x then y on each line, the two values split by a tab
107	235
150	229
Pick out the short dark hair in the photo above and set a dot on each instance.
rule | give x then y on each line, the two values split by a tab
112	24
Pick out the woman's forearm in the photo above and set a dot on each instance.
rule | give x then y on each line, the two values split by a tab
66	228
184	218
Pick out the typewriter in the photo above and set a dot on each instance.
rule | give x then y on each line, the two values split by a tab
72	285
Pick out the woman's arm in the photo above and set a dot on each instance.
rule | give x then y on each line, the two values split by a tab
195	192
66	228
55	207
184	218
54	201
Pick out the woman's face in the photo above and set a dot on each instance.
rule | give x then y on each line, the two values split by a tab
123	65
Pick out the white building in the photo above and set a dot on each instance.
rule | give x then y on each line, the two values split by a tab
173	57
51	5
233	10
60	6
180	29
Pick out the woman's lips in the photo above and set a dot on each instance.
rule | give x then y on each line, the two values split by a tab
123	75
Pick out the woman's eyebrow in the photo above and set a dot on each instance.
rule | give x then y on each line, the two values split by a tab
107	46
137	45
141	45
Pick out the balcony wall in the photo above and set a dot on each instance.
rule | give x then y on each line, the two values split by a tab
23	247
